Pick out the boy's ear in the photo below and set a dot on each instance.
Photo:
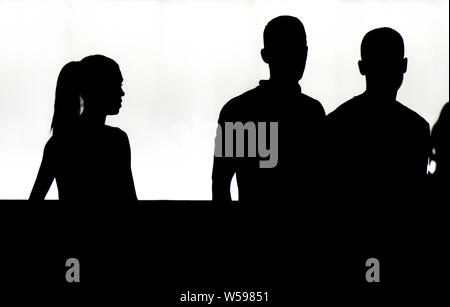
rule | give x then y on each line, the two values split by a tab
265	56
404	65
362	67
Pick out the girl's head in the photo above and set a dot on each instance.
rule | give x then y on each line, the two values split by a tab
101	86
96	80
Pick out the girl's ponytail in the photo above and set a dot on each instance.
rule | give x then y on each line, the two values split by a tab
67	99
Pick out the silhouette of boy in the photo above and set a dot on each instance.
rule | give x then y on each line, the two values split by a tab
299	118
379	147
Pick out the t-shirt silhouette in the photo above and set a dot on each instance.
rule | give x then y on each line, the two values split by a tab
300	119
92	163
377	146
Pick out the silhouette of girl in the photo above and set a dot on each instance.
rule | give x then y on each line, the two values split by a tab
440	137
88	159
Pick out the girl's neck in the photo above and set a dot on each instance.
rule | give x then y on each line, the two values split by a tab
93	118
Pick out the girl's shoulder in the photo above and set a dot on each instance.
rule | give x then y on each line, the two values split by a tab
115	131
50	145
117	134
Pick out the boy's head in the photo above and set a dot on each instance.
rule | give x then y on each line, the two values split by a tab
285	48
382	59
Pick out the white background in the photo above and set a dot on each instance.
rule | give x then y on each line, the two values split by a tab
181	61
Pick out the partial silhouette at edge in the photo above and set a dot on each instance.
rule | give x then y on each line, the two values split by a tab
441	146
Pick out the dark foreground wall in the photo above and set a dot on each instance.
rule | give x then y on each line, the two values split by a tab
156	251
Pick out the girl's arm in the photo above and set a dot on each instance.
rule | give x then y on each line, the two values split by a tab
129	191
45	175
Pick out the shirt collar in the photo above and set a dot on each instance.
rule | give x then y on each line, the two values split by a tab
270	84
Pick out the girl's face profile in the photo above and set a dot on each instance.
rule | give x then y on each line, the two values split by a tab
114	93
107	93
